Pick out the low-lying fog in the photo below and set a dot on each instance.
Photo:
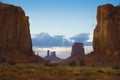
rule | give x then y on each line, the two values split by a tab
61	52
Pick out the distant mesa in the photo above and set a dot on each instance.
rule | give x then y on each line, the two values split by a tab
51	56
15	39
76	52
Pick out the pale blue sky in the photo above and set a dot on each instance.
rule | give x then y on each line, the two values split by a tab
61	17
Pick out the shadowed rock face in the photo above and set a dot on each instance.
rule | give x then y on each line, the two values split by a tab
107	32
77	53
15	40
77	50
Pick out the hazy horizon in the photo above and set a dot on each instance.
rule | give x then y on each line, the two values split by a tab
61	52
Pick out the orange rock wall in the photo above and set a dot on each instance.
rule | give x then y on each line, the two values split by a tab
107	32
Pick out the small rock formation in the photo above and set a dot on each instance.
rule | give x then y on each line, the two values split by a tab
52	58
15	39
107	32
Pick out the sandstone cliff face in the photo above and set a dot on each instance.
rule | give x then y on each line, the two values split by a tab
15	40
107	32
77	50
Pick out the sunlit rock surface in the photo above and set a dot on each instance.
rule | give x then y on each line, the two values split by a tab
107	32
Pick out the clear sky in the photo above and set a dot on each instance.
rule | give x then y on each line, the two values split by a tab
61	17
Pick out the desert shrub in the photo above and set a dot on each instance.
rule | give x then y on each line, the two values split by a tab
118	73
100	70
3	60
53	64
50	64
82	62
72	63
115	67
12	62
28	71
5	64
92	65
